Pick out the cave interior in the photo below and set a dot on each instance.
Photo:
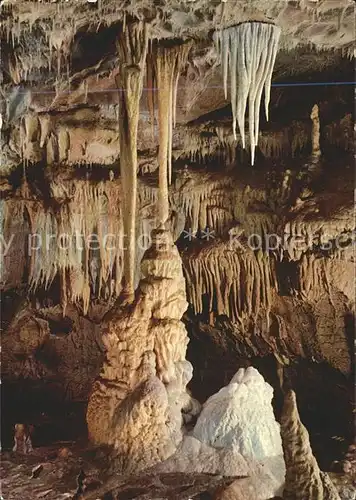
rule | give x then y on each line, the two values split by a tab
177	252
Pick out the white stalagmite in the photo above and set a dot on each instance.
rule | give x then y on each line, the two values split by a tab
248	51
240	416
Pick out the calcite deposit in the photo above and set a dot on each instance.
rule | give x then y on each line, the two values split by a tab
240	416
177	247
303	478
137	402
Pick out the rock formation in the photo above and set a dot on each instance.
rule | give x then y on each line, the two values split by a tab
304	480
240	416
137	402
131	220
249	50
236	434
132	53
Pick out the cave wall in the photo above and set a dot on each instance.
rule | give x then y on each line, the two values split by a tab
267	251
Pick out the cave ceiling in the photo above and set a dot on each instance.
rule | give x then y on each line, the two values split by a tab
60	63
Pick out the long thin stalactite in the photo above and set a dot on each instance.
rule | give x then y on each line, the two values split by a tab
168	62
132	48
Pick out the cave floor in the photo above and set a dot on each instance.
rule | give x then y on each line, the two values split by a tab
74	471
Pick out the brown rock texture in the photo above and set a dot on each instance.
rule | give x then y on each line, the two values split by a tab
136	404
57	478
81	119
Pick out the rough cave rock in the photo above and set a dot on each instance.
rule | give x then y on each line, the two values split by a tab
177	250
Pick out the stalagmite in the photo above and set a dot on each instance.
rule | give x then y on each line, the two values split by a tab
168	62
132	51
137	401
248	51
304	480
314	116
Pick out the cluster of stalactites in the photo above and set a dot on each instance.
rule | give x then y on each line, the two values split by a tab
198	202
43	35
85	261
221	144
248	52
70	242
39	46
237	282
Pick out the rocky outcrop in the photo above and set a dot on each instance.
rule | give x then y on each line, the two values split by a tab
304	480
137	402
44	349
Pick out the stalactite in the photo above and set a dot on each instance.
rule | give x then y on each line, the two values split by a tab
168	62
239	281
201	201
248	51
132	51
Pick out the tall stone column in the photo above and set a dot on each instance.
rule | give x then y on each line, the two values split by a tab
137	402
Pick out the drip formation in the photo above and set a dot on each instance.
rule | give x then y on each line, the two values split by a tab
248	53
